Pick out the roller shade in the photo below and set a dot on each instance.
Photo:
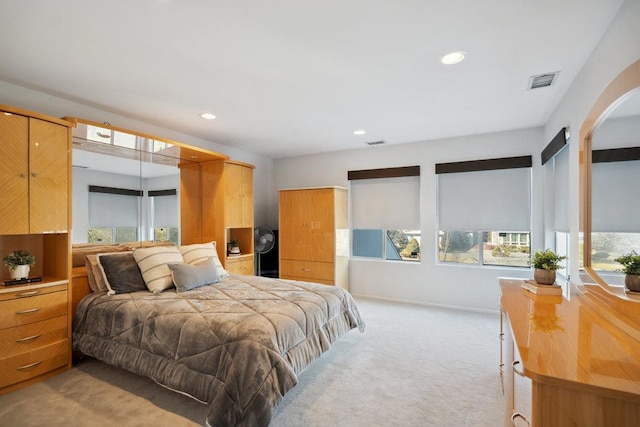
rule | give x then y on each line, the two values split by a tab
615	206
165	211
492	200
386	203
561	190
113	210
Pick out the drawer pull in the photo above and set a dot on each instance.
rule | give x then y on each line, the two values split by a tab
27	294
518	415
306	269
27	339
30	365
28	311
517	362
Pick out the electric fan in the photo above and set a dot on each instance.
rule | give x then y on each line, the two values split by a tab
263	242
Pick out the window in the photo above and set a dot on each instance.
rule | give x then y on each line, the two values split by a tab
164	206
484	212
113	214
385	205
615	217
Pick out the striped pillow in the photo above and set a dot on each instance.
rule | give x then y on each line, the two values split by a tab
153	266
194	254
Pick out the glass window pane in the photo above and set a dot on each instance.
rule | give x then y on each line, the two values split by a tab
458	246
126	234
100	235
367	243
506	249
605	247
403	245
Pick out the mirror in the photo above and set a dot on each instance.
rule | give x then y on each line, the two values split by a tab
611	172
126	184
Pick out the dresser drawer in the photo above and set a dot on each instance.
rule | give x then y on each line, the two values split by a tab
240	266
308	270
22	339
30	291
40	361
304	279
22	311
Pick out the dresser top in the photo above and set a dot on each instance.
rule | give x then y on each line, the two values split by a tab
571	341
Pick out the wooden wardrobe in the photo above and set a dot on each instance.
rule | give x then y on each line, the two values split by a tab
314	235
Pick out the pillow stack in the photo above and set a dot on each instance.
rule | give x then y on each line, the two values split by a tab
155	269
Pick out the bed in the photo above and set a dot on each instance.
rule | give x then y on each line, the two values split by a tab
237	344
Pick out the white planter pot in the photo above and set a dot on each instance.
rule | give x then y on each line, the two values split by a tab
21	272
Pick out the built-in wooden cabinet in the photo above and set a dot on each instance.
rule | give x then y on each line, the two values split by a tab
221	191
313	232
35	175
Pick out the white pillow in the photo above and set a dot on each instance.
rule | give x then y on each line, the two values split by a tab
153	266
196	253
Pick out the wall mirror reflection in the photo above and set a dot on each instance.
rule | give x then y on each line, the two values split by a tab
615	176
126	185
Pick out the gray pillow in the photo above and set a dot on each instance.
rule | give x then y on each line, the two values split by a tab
122	273
191	276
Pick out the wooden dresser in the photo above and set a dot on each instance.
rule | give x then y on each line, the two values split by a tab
314	235
567	362
35	177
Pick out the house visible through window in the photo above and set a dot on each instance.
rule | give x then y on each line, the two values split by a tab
385	206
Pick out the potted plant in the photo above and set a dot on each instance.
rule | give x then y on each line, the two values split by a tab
19	262
233	247
631	263
546	263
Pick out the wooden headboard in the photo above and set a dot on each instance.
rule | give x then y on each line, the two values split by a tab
79	286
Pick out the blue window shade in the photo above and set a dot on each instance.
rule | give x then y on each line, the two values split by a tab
392	251
367	243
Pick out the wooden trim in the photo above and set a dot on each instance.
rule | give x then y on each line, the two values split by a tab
615	155
158	193
615	93
27	113
557	143
485	165
384	173
112	190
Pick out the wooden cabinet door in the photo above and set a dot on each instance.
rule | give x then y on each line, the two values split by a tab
307	225
238	187
246	190
14	174
48	177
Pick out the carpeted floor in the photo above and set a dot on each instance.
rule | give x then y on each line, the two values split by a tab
413	366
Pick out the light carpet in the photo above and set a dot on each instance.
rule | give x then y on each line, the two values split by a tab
413	366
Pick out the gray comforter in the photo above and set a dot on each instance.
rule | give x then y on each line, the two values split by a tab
237	345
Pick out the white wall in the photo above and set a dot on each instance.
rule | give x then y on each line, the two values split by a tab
28	99
426	282
618	48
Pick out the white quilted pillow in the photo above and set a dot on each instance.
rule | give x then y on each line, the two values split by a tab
153	266
193	254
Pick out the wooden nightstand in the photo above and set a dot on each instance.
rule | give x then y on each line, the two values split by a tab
34	333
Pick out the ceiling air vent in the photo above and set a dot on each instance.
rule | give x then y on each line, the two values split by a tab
375	142
542	80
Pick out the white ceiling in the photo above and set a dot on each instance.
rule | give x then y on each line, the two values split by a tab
290	77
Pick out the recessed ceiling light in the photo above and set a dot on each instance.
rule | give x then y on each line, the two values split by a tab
207	116
359	132
453	57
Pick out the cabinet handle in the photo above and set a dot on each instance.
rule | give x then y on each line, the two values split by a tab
23	175
28	311
306	269
518	415
30	365
27	294
34	174
517	362
27	339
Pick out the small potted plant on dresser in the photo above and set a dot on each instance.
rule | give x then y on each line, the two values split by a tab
234	249
631	263
20	263
545	264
